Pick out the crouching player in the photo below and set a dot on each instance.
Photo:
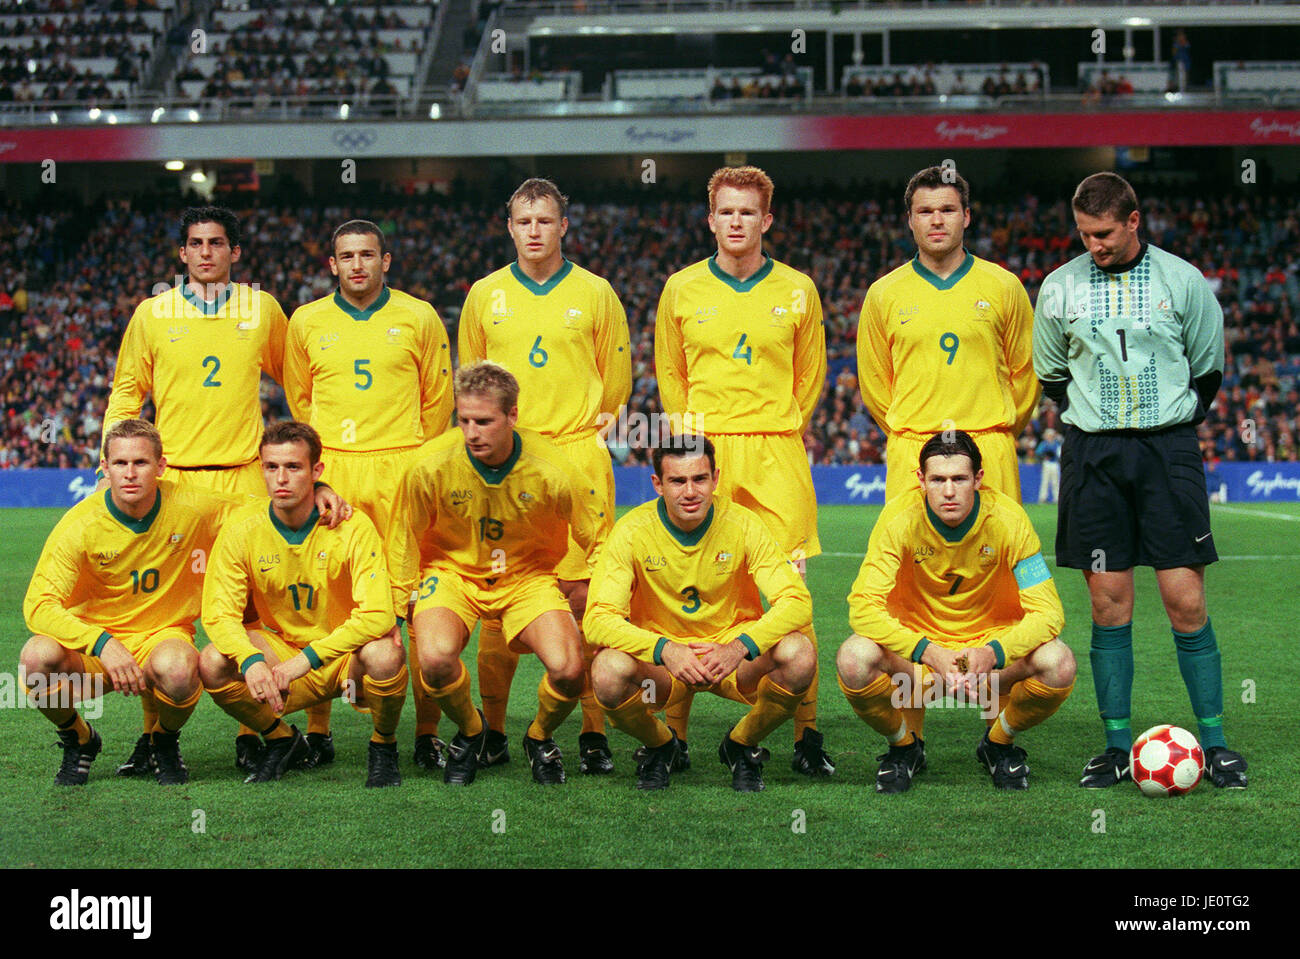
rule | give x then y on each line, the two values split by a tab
480	522
113	603
322	597
675	601
954	586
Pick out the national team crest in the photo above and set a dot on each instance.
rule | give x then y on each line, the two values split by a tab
394	334
322	558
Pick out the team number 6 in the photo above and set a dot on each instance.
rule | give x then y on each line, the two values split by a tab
949	343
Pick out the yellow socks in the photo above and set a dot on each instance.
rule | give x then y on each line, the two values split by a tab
149	709
805	716
551	710
635	719
1031	703
874	706
318	717
677	713
593	717
496	670
455	701
238	703
172	714
386	698
773	706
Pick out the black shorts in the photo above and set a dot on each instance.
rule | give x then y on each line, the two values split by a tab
1133	499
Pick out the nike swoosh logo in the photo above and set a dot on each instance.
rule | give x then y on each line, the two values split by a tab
497	322
920	561
1014	769
1228	762
904	322
266	569
105	562
1200	538
175	339
1073	319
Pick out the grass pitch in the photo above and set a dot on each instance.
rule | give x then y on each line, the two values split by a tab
951	818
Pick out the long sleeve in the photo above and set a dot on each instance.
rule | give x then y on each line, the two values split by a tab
133	378
1018	342
670	355
273	351
609	603
789	602
371	616
1050	347
869	615
810	359
613	354
471	341
413	513
875	365
225	594
1202	326
1044	617
45	606
297	372
436	399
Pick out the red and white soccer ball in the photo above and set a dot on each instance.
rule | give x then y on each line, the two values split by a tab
1166	761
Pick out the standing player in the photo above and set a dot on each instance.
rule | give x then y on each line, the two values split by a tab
370	368
740	355
563	333
200	349
482	520
954	585
1128	339
945	341
114	599
323	596
677	601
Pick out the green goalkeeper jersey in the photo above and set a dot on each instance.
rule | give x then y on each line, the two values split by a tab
1131	344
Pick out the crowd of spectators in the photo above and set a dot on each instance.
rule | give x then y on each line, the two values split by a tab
44	67
61	318
921	81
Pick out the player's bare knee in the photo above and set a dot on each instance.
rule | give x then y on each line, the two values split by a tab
40	656
382	658
1054	664
613	676
858	661
568	674
797	661
215	668
175	668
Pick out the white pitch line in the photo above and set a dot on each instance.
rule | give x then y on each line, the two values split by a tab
1255	512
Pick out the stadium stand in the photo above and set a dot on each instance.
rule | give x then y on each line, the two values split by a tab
60	324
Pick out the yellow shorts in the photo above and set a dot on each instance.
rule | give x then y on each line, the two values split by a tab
368	481
729	688
593	478
514	601
318	685
238	479
139	645
769	474
997	450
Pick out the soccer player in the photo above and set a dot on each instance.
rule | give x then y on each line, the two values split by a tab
1128	339
562	332
954	587
370	368
740	356
676	601
945	341
322	596
114	598
200	349
483	519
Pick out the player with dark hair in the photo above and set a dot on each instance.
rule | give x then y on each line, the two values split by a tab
677	602
954	586
1128	339
370	368
325	619
481	521
562	332
114	598
740	356
945	339
200	349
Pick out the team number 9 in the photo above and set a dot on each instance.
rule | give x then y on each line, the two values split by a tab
949	343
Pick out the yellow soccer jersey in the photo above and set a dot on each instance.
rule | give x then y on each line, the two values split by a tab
933	353
486	522
740	357
369	380
655	584
202	363
923	581
322	590
103	573
565	340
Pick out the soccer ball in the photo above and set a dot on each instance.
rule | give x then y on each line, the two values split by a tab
1166	761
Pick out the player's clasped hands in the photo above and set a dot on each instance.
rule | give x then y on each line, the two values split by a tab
124	672
264	687
684	664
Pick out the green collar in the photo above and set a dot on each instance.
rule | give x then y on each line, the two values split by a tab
134	525
686	539
931	278
541	289
495	474
294	537
742	286
954	534
203	306
362	315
